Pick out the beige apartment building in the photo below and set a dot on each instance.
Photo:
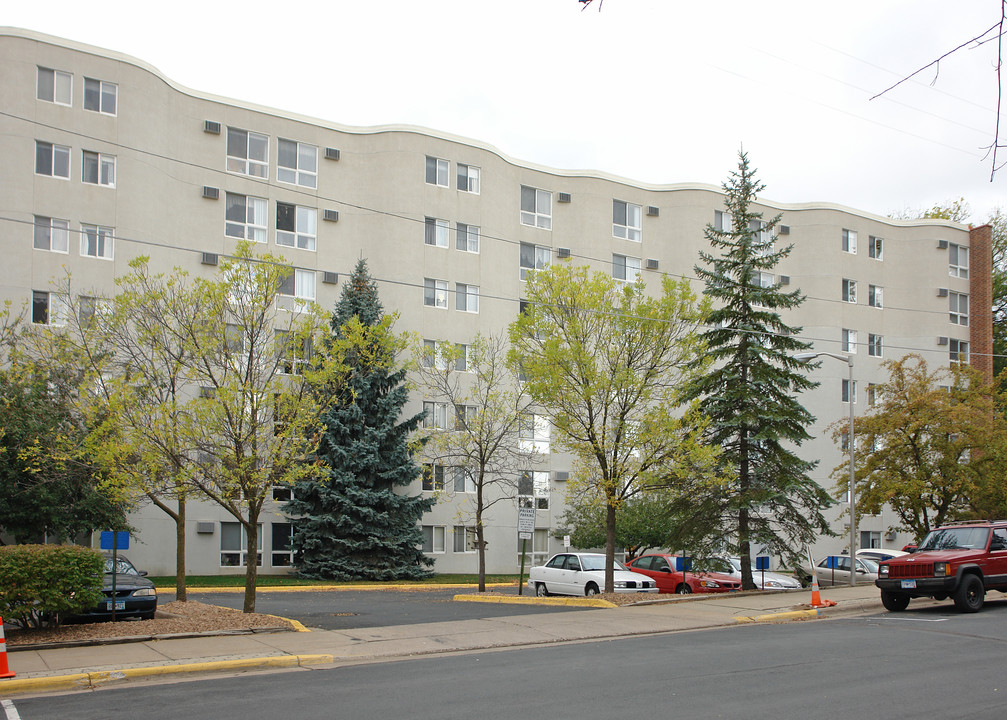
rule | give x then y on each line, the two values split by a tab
105	159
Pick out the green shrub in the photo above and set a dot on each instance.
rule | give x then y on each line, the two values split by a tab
39	582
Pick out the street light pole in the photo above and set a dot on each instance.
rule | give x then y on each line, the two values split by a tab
851	395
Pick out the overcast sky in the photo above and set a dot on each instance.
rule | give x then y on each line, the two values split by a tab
658	91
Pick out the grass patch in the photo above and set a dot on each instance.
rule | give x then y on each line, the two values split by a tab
266	581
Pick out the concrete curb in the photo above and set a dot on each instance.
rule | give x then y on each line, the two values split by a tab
326	588
780	616
521	600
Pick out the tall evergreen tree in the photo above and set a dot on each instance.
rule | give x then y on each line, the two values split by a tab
353	525
749	393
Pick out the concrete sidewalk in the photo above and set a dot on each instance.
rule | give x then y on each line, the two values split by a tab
52	669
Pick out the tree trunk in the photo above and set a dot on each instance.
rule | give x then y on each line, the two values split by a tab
744	545
251	565
610	547
480	534
180	551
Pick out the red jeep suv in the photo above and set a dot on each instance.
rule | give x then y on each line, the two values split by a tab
957	560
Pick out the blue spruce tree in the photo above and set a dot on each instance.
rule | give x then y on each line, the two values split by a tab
354	526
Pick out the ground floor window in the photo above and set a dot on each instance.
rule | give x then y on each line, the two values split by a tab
433	538
536	549
464	539
282	554
234	545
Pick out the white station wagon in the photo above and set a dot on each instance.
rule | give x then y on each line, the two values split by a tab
584	574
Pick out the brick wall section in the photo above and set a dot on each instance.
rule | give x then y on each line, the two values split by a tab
981	300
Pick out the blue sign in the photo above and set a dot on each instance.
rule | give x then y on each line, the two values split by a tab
683	564
762	562
121	540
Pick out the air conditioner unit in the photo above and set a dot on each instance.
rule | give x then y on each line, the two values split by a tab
207	392
784	279
942	244
209	258
565	197
784	230
942	292
561	476
211	126
205	526
890	535
941	341
653	211
652	263
330	278
562	252
211	193
331	153
330	215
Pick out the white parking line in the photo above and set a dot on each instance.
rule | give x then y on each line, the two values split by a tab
888	618
10	710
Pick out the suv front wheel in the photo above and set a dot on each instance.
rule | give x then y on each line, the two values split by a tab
894	601
969	595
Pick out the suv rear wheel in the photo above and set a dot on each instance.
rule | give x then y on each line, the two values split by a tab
969	595
894	601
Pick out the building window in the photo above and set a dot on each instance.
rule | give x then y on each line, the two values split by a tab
959	351
875	247
54	86
533	257
51	234
282	554
247	153
283	493
292	356
52	160
873	394
466	297
468	178
234	545
96	241
100	96
433	477
874	345
467	238
626	269
849	290
245	217
435	293
850	241
875	296
464	539
533	433
299	284
536	208
959	308
849	341
296	226
91	306
846	391
463	481
435	232
98	169
958	261
722	221
765	280
626	220
436	415
533	490
433	539
462	359
539	549
296	163
437	171
48	308
465	415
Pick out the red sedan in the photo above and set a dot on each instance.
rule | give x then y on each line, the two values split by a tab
669	580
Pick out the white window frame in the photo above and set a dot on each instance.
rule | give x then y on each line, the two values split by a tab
464	539
436	232
538	482
462	480
850	291
291	356
958	260
467	297
875	345
299	284
722	221
436	417
103	239
304	171
62	87
252	223
875	296
849	341
432	477
534	433
435	293
536	207
56	308
105	91
540	255
958	308
103	165
846	390
284	555
241	161
462	362
465	414
626	268
538	553
467	238
958	351
55	233
438	171
875	247
242	551
304	233
433	539
850	241
627	221
55	152
469	178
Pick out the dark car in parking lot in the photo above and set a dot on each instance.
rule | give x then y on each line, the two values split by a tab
134	596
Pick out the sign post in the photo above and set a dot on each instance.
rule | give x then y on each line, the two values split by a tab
525	531
114	541
762	563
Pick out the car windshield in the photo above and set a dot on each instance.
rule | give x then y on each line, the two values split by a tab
719	565
122	567
955	538
597	562
870	565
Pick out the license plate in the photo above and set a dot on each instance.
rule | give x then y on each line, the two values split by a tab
119	605
908	584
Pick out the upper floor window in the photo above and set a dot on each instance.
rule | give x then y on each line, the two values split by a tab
464	482
533	490
875	247
245	217
874	345
466	297
52	234
846	391
98	169
53	160
625	268
296	226
466	416
299	284
958	305
436	416
436	232
958	261
54	86
247	153
762	238
437	171
875	296
722	221
849	341
536	207
435	293
533	257
849	290
96	241
850	241
959	351
297	163
533	433
468	178
48	308
626	220
100	96
467	238
292	355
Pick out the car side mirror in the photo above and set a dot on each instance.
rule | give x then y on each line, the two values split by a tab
143	573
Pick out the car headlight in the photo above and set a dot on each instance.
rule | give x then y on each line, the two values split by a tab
145	592
620	583
941	569
883	571
709	583
772	584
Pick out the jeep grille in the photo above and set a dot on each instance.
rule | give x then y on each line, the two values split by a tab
911	570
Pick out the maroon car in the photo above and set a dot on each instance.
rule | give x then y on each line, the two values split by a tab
661	567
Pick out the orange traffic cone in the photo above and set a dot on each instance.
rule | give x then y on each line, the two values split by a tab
5	672
816	598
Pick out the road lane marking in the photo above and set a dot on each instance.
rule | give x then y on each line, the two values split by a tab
10	710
